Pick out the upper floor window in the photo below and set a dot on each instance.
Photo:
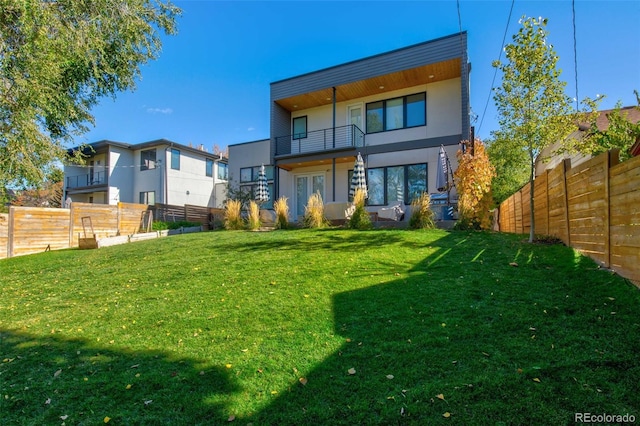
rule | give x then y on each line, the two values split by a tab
300	127
148	159
397	113
209	167
175	159
223	171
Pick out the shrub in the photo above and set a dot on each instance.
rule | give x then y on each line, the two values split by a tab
421	214
254	215
282	212
360	218
314	212
473	181
161	226
232	216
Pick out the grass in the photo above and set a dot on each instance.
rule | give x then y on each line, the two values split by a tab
263	328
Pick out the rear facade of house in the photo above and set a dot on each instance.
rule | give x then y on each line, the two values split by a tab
159	171
396	109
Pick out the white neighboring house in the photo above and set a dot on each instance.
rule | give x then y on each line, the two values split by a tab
396	108
159	171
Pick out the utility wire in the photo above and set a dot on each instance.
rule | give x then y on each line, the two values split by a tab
504	38
575	51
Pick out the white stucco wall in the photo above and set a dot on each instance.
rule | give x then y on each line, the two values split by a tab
249	154
122	170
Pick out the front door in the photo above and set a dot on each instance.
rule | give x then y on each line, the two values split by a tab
305	186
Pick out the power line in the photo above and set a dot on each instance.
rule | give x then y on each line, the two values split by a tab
495	72
575	51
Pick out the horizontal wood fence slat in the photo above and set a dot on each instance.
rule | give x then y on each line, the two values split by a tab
594	208
26	230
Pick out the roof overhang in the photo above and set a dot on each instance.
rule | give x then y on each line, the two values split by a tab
426	74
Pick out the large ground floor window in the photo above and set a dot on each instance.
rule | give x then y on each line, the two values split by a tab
396	183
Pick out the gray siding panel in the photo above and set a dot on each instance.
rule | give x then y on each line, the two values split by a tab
439	50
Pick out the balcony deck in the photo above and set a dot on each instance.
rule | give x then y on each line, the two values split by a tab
318	141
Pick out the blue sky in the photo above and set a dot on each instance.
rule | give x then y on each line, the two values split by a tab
211	82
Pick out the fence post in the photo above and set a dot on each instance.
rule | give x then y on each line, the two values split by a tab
566	165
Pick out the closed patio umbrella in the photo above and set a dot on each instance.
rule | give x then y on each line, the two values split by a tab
262	193
358	179
442	183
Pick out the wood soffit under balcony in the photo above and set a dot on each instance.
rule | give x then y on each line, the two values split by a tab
291	164
398	80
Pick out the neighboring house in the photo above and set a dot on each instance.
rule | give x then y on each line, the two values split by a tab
396	108
158	171
549	158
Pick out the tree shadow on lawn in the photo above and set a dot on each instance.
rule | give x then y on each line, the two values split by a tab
470	341
50	380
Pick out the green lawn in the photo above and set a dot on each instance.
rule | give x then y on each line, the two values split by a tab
316	327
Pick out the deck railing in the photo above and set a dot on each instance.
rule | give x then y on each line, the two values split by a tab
91	179
320	140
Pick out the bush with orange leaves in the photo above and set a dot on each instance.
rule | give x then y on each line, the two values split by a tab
473	183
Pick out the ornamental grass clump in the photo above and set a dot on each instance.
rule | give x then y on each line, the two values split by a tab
254	216
314	212
282	212
421	213
232	217
360	218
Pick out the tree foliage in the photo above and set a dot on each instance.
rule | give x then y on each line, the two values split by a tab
621	133
57	59
534	111
511	163
473	183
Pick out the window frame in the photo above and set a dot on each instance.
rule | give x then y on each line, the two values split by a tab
382	107
143	156
209	165
225	174
405	182
175	159
144	197
299	135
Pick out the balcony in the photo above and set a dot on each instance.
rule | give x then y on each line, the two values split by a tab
91	179
316	141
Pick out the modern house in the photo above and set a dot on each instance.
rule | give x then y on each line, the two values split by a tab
396	109
158	171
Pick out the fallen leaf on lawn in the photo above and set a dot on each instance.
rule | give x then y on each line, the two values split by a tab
443	325
65	417
274	392
135	366
244	350
519	370
228	365
440	396
485	354
128	387
513	264
351	371
57	373
148	401
48	401
446	415
106	419
303	381
389	376
536	380
201	373
231	418
402	411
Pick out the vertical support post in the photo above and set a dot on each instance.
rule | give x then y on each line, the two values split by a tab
333	180
334	117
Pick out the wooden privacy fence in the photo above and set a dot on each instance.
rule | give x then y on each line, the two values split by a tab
594	208
209	217
27	230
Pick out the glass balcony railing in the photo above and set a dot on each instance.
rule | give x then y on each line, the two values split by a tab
320	140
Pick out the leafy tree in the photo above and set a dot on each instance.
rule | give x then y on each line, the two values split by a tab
57	59
621	133
511	163
534	111
473	182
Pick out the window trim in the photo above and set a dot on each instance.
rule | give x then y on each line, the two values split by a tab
404	113
300	135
